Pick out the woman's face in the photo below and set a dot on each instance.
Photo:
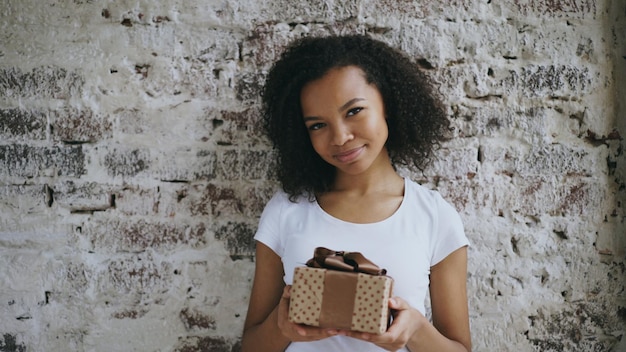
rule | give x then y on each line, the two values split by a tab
345	118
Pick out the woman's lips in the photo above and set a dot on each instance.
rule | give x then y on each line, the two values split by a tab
348	156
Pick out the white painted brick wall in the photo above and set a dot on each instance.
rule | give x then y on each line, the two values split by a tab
133	168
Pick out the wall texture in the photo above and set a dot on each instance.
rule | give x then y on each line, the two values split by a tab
133	169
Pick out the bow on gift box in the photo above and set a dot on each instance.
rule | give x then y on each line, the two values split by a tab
343	261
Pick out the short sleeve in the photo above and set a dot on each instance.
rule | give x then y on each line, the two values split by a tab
449	231
268	231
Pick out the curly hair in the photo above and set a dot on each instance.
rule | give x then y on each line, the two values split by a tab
416	118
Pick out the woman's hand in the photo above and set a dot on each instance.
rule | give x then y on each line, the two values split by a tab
406	322
298	332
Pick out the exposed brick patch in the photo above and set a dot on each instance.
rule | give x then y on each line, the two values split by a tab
130	314
256	199
587	326
246	165
239	239
264	46
139	274
72	125
249	87
195	320
207	343
134	236
87	197
21	123
78	276
20	199
141	201
560	8
214	200
126	163
596	140
41	82
28	161
551	81
9	344
240	128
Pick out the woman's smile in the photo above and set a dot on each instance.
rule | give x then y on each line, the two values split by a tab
349	155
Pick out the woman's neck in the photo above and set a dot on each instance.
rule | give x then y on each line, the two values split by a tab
373	181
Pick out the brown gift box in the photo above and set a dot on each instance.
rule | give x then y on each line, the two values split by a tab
338	295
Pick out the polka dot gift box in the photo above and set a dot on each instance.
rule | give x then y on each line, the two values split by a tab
341	290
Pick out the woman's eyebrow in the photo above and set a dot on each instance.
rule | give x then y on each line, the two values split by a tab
348	103
341	108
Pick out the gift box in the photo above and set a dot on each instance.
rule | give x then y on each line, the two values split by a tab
341	290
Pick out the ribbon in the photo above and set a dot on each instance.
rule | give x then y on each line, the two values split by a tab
325	258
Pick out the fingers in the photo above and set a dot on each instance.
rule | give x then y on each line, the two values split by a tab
298	332
398	303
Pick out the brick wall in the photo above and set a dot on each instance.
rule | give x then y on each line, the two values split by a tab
133	169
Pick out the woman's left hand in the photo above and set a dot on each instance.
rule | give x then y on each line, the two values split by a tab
406	322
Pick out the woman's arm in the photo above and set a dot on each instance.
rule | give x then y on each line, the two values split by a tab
267	327
448	296
450	328
261	332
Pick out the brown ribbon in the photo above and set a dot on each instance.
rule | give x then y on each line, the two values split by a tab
343	261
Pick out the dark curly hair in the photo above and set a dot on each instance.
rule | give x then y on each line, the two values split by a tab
416	119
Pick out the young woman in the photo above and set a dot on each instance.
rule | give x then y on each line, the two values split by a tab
342	112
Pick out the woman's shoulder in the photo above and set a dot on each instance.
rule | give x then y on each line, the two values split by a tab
428	196
281	199
420	190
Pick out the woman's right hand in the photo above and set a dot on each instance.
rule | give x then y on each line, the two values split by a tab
298	332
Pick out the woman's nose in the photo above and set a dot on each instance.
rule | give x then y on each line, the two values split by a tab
341	134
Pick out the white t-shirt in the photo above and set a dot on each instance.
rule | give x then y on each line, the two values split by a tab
423	231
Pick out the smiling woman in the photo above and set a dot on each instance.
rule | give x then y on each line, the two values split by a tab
343	112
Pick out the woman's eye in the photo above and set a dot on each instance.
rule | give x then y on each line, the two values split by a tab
354	111
316	126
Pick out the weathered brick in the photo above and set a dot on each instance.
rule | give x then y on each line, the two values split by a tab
72	125
215	200
83	197
166	165
129	313
246	165
575	328
135	200
553	159
126	162
195	320
41	82
534	126
29	161
21	199
206	343
22	124
267	40
138	274
173	199
556	82
309	11
114	235
557	9
239	128
10	343
550	81
239	238
412	9
455	163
